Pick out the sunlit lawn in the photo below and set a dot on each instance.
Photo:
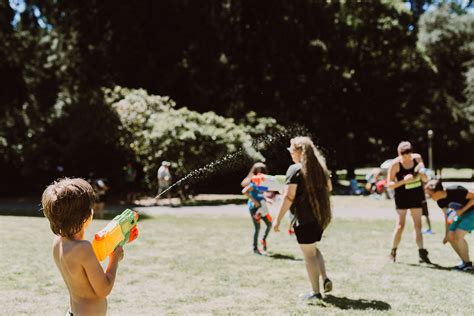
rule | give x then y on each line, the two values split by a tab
203	265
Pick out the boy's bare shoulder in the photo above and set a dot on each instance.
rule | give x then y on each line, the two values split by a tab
416	156
78	247
84	246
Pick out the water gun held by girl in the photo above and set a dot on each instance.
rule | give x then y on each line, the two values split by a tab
268	183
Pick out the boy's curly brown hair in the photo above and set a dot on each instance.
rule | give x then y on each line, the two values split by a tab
67	203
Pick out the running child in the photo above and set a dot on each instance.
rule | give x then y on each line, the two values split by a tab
257	206
67	204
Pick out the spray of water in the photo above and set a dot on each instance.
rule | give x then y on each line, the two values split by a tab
206	170
233	159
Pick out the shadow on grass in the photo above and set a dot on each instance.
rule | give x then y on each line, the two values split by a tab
360	304
280	256
436	267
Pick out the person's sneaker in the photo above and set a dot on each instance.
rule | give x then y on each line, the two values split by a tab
327	285
464	266
311	298
393	255
423	253
264	244
468	266
257	251
428	232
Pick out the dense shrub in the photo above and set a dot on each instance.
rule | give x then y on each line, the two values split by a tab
155	130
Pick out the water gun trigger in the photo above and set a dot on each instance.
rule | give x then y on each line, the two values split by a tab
133	234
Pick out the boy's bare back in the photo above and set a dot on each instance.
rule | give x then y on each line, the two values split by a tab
69	256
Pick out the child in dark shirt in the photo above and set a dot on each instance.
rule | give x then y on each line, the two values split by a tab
463	221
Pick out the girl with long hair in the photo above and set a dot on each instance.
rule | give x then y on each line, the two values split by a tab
306	195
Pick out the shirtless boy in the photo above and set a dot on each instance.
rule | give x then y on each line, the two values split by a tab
67	204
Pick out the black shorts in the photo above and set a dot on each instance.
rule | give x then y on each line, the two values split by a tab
308	233
409	199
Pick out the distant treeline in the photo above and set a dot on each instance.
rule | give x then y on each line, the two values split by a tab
359	76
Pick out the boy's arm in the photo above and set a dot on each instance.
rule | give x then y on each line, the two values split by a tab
101	282
469	204
288	197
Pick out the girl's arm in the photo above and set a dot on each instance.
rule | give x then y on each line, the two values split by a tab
245	182
329	184
418	159
391	180
288	197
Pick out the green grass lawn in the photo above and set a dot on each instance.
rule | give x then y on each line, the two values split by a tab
203	265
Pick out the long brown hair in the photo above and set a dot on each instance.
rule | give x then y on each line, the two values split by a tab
315	175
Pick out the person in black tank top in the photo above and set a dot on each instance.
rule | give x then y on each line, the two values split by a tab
411	194
406	177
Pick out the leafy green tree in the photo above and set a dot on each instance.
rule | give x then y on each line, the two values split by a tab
28	92
201	144
358	76
446	37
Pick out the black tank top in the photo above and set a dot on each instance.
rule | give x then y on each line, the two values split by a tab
413	184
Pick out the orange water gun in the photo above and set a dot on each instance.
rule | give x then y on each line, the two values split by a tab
121	230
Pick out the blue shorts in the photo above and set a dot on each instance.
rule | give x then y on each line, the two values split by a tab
464	222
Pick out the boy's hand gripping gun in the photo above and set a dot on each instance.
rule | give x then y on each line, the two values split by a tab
121	230
265	182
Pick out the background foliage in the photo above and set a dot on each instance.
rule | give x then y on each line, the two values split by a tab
358	76
154	130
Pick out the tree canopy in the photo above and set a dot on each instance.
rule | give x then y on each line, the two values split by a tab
358	76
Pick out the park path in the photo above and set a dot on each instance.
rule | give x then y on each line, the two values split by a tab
348	207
